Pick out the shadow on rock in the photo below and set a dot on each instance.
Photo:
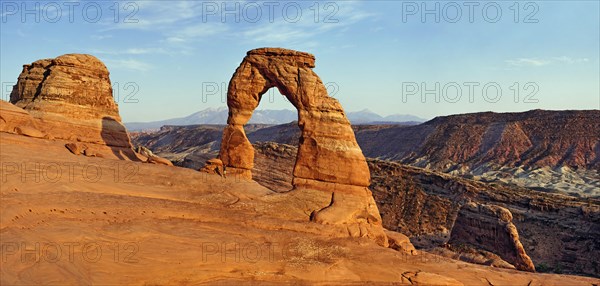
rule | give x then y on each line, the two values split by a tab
116	137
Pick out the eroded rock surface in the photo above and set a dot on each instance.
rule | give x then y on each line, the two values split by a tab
328	159
177	226
71	98
557	232
17	121
327	138
423	204
490	227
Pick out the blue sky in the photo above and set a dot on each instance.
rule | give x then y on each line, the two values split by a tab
167	57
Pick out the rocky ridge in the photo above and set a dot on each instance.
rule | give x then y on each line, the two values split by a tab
485	146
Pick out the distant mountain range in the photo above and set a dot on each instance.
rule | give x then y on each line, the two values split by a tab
544	150
219	116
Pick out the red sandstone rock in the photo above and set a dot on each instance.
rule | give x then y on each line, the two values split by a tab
71	97
328	151
213	166
490	227
75	148
400	242
151	158
16	120
329	159
159	161
429	279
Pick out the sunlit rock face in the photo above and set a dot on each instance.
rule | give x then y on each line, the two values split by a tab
328	159
71	97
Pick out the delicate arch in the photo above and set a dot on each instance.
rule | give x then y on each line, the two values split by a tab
328	154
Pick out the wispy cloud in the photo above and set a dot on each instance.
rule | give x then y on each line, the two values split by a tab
178	25
100	37
531	62
196	32
132	51
128	64
537	62
181	25
155	15
284	32
569	60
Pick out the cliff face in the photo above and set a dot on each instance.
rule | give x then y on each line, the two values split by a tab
490	227
557	232
551	151
535	138
439	210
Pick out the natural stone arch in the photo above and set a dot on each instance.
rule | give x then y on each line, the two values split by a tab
328	153
329	160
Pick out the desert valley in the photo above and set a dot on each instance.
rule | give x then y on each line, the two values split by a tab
468	199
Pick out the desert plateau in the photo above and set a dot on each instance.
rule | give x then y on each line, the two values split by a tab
201	143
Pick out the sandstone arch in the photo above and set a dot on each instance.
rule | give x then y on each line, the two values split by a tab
328	153
329	159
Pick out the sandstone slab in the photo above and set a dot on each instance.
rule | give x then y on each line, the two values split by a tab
18	121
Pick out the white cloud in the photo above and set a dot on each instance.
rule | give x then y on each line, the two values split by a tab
182	25
569	60
132	51
284	32
128	64
178	23
196	32
155	15
536	62
277	33
100	37
20	33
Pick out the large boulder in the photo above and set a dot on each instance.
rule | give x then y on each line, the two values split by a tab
71	97
329	158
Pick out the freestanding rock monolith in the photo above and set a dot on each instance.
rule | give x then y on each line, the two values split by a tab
72	98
